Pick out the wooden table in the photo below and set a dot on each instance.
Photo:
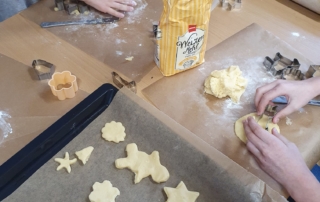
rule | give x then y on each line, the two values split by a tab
24	41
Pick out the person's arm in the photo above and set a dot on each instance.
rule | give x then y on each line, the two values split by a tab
282	160
113	7
298	94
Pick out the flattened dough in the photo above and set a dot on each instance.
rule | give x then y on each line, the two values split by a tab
103	192
113	131
239	130
84	155
65	163
143	164
180	194
226	82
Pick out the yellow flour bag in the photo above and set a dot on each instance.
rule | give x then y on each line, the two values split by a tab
181	35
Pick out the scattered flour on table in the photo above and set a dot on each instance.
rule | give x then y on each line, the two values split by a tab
119	52
135	15
5	127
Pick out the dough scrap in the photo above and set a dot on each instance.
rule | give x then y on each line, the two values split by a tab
65	163
239	130
103	192
143	164
113	131
84	154
226	82
129	58
181	194
288	121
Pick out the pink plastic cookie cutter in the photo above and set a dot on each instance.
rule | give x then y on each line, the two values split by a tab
63	85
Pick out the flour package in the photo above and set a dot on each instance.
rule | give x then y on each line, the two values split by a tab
181	35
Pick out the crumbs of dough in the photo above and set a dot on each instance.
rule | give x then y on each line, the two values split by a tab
129	58
288	121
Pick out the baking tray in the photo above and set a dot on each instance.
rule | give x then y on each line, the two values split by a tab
29	159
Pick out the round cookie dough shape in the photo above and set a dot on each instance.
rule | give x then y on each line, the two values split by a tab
239	130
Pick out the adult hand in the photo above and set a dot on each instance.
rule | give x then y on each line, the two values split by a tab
113	7
282	160
298	94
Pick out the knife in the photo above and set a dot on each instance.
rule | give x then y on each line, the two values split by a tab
283	100
80	22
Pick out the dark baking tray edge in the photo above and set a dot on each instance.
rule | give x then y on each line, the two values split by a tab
29	159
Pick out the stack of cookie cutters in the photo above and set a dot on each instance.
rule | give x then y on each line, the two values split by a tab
284	68
120	82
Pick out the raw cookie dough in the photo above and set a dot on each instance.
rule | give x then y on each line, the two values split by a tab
113	131
239	130
226	82
65	163
129	58
84	154
103	192
180	194
143	164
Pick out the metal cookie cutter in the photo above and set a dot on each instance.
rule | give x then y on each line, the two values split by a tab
43	69
120	82
279	63
292	74
63	85
269	111
313	71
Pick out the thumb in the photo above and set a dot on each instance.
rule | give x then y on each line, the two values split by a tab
284	112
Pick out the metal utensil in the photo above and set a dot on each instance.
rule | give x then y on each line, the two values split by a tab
80	22
283	100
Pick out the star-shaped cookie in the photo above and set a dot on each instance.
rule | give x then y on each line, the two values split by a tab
103	192
143	164
65	163
181	194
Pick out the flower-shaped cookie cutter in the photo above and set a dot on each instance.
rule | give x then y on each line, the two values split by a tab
277	65
63	85
292	74
43	69
314	70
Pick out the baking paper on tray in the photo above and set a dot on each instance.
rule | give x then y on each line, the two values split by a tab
201	167
182	98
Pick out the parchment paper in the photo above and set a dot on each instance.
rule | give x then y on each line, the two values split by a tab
109	43
29	104
182	98
216	177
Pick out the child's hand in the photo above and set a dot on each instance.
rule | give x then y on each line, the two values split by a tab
298	93
113	7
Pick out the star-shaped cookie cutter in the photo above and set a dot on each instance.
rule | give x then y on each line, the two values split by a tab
279	63
63	85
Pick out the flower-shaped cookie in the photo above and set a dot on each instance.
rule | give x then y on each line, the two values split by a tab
63	85
103	192
113	131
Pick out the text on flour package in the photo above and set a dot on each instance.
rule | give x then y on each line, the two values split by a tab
181	35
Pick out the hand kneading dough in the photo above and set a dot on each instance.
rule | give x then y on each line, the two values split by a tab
143	164
226	82
239	130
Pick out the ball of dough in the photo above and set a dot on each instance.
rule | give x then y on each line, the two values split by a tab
226	82
239	129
